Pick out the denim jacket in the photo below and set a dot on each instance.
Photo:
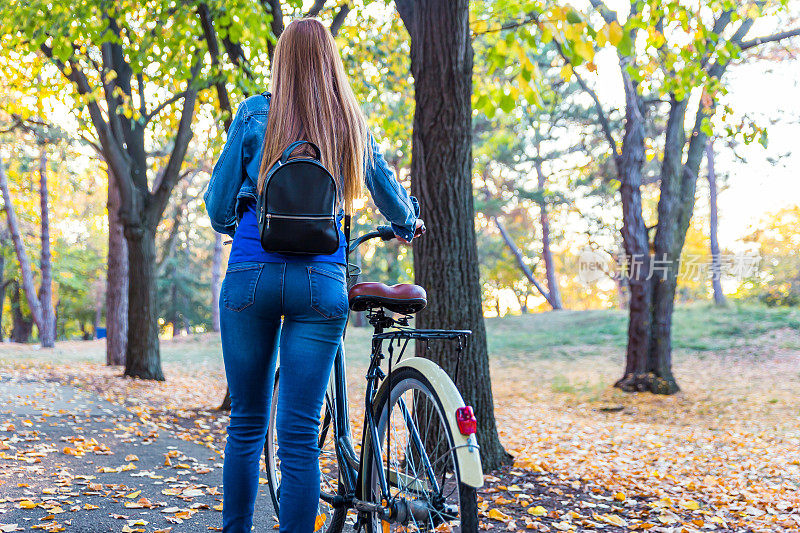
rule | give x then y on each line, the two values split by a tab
235	174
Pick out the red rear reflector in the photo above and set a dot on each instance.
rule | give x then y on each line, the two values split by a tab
467	423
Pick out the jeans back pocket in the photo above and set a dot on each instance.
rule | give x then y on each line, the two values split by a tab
328	294
239	287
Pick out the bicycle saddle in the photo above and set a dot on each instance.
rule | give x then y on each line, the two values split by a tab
403	298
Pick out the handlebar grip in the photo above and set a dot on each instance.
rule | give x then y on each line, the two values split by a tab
386	233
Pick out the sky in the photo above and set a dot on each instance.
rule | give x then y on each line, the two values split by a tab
768	92
757	187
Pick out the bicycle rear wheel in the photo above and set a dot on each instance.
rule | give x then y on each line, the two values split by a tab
329	519
423	473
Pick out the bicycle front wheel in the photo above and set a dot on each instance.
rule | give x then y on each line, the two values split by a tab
418	460
329	519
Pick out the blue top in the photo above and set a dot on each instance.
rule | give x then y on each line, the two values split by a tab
231	194
247	244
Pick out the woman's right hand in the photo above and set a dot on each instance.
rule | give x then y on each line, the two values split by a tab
419	229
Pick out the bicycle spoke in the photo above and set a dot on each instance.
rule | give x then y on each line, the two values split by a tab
420	462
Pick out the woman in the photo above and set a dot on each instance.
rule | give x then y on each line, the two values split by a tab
311	100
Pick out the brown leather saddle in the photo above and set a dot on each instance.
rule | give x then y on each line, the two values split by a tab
404	298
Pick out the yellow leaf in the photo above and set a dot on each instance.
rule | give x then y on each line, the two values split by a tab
218	507
619	496
602	37
614	520
319	522
585	50
480	26
26	504
537	511
497	514
131	457
690	504
133	494
566	72
614	33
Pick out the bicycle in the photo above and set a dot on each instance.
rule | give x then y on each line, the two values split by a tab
415	471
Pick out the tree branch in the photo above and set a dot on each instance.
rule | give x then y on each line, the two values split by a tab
521	262
608	15
160	107
605	125
338	19
273	7
180	211
316	8
112	151
510	25
108	93
171	173
213	49
142	103
745	45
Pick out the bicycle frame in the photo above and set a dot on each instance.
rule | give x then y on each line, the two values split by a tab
337	404
350	471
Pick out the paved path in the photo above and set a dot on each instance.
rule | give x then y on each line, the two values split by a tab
71	460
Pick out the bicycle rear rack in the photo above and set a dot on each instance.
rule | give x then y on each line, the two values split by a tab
401	333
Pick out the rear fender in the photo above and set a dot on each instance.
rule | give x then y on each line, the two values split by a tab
467	449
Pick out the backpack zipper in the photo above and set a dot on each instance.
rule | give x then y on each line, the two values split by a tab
268	216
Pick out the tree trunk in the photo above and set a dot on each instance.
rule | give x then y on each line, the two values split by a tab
216	281
521	262
21	327
116	282
47	329
716	266
226	401
55	317
98	317
3	285
667	245
356	317
639	371
143	357
549	266
446	258
22	255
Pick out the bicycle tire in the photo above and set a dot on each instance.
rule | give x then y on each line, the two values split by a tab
403	380
336	521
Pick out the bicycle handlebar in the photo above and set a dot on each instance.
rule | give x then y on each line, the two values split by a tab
385	233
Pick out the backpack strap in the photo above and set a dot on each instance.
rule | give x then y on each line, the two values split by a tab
291	148
347	244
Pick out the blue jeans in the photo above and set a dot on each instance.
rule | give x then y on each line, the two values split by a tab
311	297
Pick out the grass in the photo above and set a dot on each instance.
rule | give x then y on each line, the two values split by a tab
570	335
569	357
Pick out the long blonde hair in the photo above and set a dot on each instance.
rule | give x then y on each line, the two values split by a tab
312	100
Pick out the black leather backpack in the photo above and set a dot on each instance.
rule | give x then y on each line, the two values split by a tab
297	206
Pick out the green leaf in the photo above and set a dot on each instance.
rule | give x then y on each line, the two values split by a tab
573	17
507	103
